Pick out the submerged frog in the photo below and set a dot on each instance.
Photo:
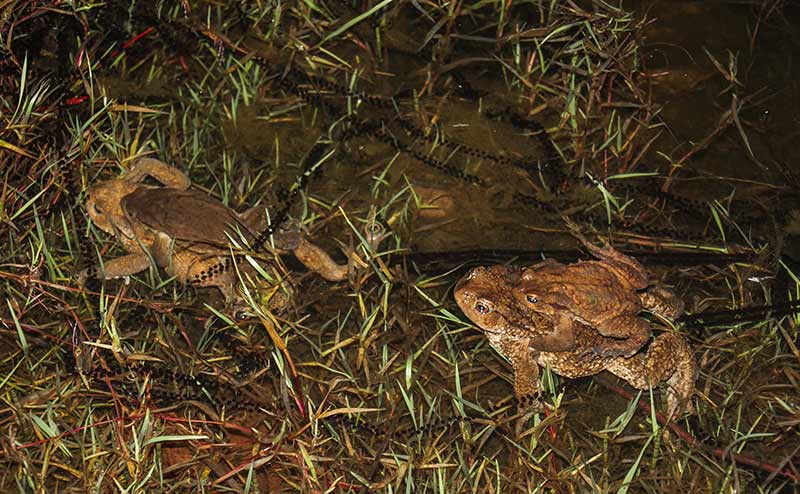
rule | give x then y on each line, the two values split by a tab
487	295
606	295
183	231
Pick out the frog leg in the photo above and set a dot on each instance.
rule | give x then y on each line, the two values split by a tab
526	379
669	358
286	237
256	221
255	218
317	260
624	266
662	302
561	339
202	271
117	268
526	370
540	316
630	331
549	263
164	173
205	271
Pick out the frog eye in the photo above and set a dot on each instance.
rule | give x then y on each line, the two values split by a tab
483	308
531	298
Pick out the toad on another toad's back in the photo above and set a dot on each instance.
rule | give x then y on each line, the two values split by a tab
184	231
487	296
606	295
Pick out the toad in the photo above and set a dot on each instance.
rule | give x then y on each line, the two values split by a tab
606	295
487	296
184	231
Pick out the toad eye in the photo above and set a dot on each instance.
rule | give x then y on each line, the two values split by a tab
532	299
483	308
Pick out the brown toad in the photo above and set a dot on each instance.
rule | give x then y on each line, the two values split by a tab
486	296
606	295
184	231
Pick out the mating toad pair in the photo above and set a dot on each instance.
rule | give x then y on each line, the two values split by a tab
580	319
188	233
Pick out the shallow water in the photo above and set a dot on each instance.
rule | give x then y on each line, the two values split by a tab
446	143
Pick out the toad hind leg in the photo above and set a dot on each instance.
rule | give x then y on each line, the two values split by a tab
201	271
662	302
631	332
670	359
285	237
318	261
625	266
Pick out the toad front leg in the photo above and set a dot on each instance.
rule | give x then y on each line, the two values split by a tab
526	370
164	173
117	268
630	333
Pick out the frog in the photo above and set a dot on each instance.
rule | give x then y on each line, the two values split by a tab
487	296
185	231
607	295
